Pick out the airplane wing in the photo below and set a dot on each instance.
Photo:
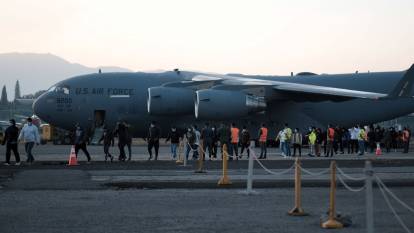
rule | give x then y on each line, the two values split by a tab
288	90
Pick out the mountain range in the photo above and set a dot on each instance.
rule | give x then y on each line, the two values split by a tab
37	71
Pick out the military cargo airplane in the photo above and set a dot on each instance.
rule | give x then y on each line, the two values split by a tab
183	98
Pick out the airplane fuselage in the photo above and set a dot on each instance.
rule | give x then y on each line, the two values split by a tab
123	97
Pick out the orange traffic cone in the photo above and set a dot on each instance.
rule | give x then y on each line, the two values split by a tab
72	158
378	150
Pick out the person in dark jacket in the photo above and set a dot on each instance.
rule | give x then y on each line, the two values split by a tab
11	136
190	138
371	139
81	139
128	141
174	137
224	137
121	132
245	142
346	138
207	137
108	140
215	141
153	139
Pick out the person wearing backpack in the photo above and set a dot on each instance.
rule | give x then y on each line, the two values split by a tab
245	142
190	141
288	135
224	135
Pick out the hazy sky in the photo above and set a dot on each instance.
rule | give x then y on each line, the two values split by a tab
253	37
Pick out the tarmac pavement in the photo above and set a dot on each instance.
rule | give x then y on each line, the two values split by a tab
161	196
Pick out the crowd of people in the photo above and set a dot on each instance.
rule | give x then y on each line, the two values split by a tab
209	140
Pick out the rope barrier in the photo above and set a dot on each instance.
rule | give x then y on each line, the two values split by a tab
326	171
350	177
381	187
393	195
348	187
272	172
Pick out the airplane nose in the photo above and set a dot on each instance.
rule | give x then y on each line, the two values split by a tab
39	106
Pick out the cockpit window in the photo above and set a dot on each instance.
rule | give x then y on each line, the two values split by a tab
52	89
60	89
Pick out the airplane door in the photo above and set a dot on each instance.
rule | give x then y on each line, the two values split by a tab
99	118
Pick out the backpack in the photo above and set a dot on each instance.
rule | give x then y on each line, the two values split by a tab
191	137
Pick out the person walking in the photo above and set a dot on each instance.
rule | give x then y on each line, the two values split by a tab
10	139
174	136
234	141
281	137
190	141
320	139
207	137
224	135
297	142
288	137
214	141
197	141
153	139
245	142
361	140
346	137
108	141
371	139
128	141
354	131
388	139
312	141
30	135
122	134
263	141
330	137
406	139
81	139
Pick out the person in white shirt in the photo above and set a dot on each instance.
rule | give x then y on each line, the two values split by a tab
30	135
281	136
354	139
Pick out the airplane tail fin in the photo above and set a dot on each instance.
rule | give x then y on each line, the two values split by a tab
404	86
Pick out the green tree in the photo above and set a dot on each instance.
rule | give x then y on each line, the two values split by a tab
17	94
3	100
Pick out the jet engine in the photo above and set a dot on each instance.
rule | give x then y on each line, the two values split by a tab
168	101
223	104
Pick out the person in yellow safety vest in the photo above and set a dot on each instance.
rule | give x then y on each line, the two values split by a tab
234	141
312	141
288	135
361	140
262	141
406	139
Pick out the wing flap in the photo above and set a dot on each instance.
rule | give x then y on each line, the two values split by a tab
322	92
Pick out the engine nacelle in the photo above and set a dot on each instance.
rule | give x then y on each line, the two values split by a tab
222	104
167	101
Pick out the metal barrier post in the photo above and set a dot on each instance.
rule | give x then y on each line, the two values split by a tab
332	223
224	180
368	197
200	158
250	174
297	210
180	155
